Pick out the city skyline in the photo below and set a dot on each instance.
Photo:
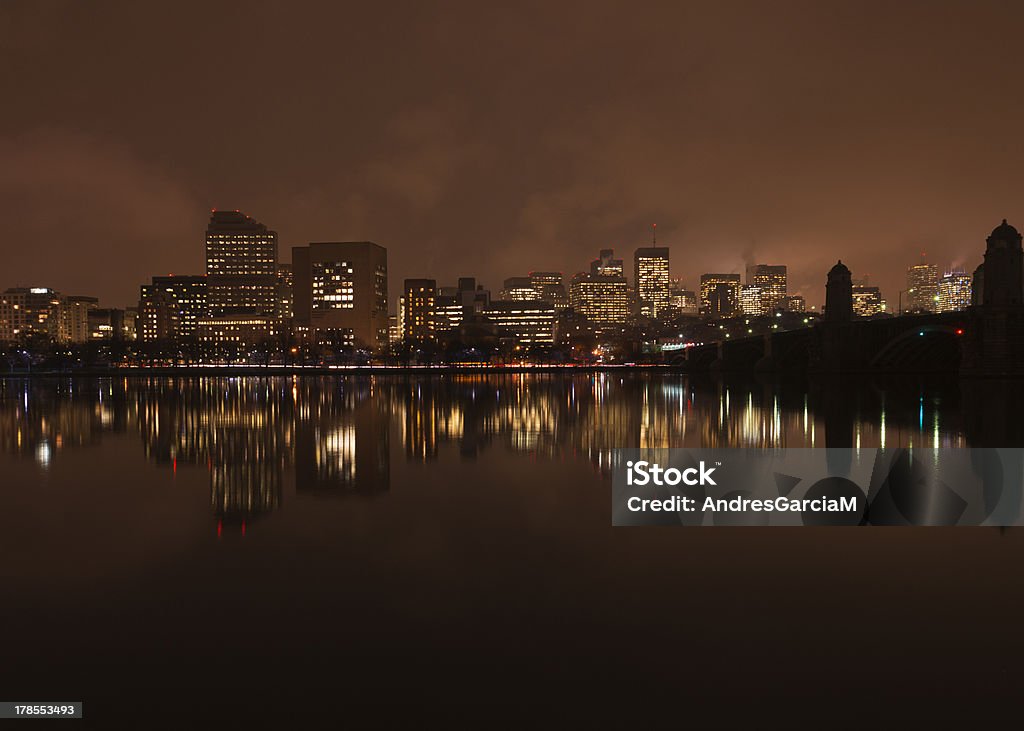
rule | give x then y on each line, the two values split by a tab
745	152
691	280
333	295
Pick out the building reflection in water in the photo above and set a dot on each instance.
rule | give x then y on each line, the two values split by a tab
335	433
342	441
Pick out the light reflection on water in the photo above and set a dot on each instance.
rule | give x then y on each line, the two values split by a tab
335	435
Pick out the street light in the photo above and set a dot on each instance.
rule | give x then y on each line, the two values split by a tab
899	310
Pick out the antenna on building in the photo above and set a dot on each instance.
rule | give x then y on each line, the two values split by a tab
654	234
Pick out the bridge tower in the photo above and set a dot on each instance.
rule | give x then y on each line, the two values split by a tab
832	350
1002	273
839	294
994	345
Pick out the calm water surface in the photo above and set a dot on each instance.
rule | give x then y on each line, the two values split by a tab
255	543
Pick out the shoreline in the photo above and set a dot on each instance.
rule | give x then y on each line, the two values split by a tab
292	370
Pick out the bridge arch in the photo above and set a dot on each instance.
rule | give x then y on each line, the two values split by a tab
931	347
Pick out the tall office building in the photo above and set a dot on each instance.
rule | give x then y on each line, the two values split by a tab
602	299
922	288
720	295
241	266
954	291
794	303
285	292
606	265
519	288
867	301
771	278
752	300
30	312
652	280
449	310
341	292
683	301
550	287
171	307
419	317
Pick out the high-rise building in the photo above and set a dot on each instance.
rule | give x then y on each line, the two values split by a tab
550	287
30	312
171	307
75	318
794	303
922	288
683	301
241	266
954	291
771	278
285	292
449	310
652	280
399	320
720	295
606	265
519	288
603	295
752	300
528	322
867	301
420	302
341	291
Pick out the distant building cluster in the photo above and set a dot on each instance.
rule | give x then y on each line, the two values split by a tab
334	295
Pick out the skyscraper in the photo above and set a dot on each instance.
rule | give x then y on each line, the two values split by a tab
652	280
550	287
771	278
752	300
922	288
285	292
867	301
606	265
603	295
241	266
682	300
519	288
724	289
954	291
340	292
420	300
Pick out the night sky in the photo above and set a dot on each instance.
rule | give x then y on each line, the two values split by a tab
483	141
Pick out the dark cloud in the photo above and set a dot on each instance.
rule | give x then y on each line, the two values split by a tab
492	140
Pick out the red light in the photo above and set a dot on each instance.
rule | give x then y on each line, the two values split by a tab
220	527
959	331
174	466
243	527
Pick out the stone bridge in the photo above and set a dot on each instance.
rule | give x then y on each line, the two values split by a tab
931	343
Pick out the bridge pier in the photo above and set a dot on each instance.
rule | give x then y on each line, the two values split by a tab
994	342
766	363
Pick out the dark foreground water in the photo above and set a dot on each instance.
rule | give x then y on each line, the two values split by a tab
313	550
